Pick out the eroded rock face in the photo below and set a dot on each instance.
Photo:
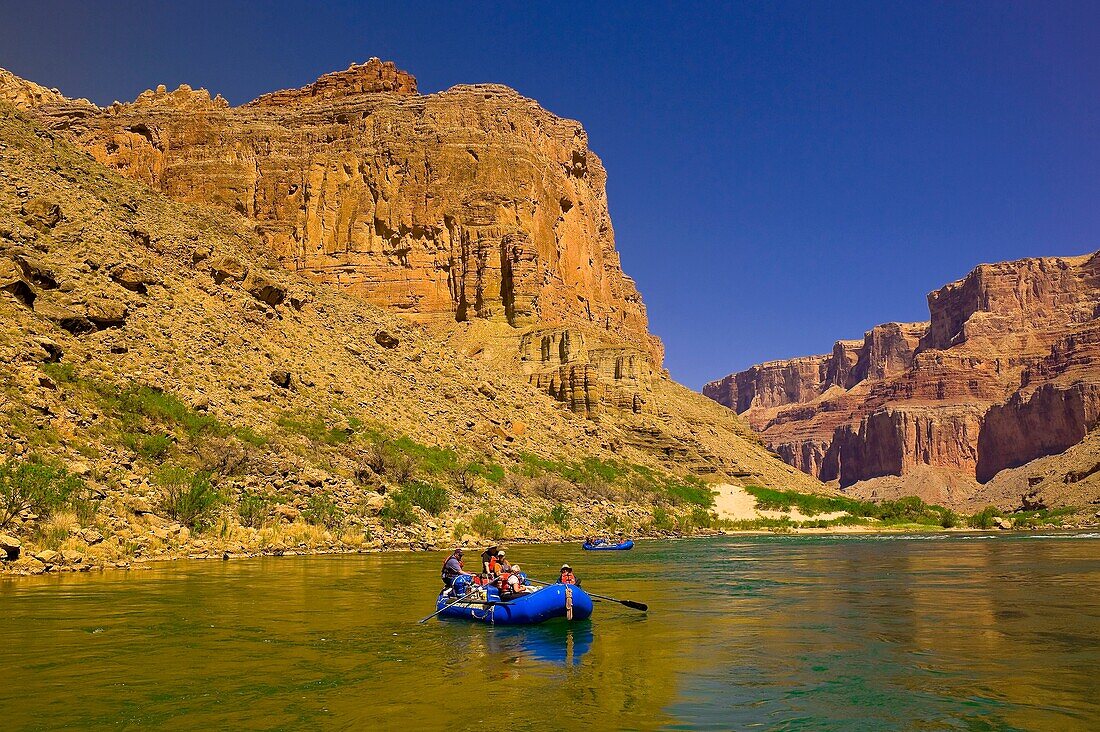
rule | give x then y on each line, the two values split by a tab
473	203
1007	370
470	203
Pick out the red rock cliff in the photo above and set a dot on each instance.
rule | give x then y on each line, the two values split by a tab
1006	371
473	203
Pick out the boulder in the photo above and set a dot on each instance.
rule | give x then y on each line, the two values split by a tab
71	556
51	348
42	214
106	312
15	281
48	556
132	277
264	289
91	537
386	340
281	378
72	320
10	547
373	502
227	268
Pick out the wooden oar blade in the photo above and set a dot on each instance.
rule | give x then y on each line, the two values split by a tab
636	605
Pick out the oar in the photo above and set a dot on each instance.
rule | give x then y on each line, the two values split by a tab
453	602
629	603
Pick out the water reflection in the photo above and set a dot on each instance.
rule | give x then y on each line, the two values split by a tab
765	633
559	643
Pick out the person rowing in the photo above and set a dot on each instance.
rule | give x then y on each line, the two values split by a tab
566	577
452	568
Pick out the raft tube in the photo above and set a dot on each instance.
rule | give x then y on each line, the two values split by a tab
628	544
552	601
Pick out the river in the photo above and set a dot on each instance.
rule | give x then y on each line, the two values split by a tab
848	632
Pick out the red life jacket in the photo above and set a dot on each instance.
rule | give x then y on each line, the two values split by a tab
567	578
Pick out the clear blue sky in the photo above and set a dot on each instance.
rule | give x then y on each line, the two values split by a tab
781	174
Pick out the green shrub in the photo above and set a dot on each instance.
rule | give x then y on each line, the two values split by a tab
253	509
313	427
559	514
429	458
949	519
35	487
984	518
188	497
662	520
487	525
322	510
164	407
490	471
61	373
84	506
151	447
399	510
689	490
432	498
701	518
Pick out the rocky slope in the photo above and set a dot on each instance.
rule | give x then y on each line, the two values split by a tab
1006	371
470	204
144	338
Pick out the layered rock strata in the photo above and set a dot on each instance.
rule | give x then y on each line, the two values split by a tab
473	203
1007	370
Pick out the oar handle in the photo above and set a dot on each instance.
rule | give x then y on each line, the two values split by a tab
628	603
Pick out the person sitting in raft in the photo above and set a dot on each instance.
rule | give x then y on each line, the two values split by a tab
567	577
487	558
511	584
452	568
498	565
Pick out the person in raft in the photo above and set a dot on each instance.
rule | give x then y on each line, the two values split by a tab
452	568
511	583
488	557
567	577
498	565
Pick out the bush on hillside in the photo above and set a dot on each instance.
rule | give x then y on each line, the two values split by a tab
33	487
188	497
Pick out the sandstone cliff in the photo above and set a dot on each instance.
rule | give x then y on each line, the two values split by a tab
473	203
138	331
1007	370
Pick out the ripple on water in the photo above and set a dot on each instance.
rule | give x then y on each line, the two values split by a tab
843	632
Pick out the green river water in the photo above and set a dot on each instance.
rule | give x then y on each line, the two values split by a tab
853	632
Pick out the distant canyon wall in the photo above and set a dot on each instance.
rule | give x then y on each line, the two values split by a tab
1006	370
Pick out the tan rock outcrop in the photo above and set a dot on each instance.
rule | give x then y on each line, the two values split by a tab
470	203
1006	371
473	203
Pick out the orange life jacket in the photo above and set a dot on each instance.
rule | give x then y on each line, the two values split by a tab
494	566
567	578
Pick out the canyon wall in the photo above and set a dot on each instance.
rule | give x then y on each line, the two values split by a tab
472	203
1006	370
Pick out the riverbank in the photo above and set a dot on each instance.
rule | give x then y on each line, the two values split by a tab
70	561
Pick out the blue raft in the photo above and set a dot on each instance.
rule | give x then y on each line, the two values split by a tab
552	601
604	547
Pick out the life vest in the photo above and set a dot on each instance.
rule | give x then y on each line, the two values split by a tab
503	580
495	567
567	578
444	573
